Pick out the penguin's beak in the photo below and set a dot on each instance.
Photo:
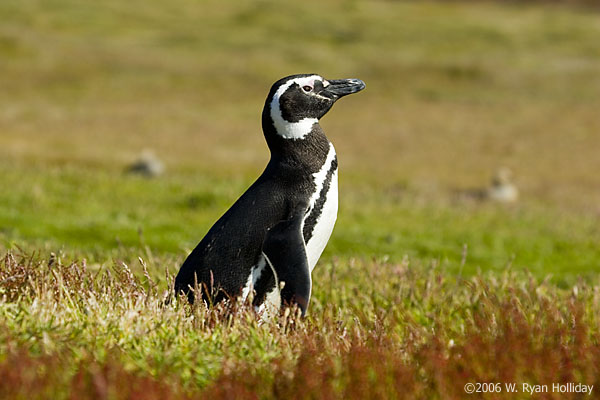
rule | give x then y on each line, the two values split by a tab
341	87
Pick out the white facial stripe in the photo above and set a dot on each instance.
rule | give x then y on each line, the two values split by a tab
292	130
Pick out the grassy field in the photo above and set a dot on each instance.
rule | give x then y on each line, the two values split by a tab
433	284
375	330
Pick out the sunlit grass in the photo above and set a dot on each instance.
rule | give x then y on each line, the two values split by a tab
399	329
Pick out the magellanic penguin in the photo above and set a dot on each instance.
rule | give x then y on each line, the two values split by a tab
269	241
503	190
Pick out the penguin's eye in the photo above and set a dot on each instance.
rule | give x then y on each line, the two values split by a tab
307	88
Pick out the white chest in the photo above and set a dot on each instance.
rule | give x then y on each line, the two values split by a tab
324	202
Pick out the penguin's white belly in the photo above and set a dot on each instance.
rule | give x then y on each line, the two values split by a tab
324	226
328	214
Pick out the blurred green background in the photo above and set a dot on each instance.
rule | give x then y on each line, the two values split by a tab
455	90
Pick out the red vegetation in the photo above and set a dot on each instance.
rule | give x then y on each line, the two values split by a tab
512	330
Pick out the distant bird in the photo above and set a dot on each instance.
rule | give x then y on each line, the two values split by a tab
269	241
503	189
147	165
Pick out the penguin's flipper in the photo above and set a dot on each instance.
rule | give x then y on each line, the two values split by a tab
285	251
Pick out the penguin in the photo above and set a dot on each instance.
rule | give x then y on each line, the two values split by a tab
503	190
268	243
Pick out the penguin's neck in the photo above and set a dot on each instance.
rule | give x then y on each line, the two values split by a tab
308	153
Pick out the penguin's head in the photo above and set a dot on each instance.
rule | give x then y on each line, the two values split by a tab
295	103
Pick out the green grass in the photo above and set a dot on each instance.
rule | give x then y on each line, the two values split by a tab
106	214
375	327
454	91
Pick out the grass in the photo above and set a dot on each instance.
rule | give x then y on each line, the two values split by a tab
103	215
384	331
420	290
444	80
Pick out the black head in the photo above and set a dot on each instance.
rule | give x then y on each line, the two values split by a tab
295	103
